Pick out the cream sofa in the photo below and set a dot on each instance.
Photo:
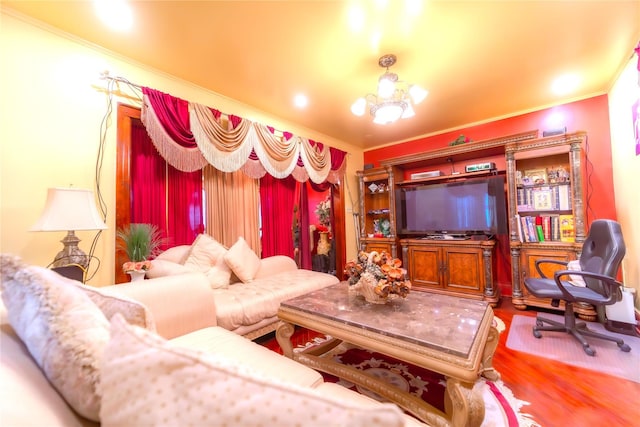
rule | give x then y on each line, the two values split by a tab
172	368
246	307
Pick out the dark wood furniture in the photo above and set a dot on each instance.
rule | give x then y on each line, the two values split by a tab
545	154
460	268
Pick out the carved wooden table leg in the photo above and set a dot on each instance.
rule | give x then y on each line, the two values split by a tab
463	406
486	368
284	331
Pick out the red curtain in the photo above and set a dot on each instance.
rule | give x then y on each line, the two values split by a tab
276	207
185	218
150	191
148	200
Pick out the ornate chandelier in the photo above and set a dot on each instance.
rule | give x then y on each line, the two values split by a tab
394	99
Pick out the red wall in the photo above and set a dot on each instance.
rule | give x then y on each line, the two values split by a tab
590	115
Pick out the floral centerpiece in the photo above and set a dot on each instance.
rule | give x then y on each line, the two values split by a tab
140	242
378	277
323	212
131	266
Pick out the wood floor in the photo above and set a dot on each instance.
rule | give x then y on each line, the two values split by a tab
563	395
558	394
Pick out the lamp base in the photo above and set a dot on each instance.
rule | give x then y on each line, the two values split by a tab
71	254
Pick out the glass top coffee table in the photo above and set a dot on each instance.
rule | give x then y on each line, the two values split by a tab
449	335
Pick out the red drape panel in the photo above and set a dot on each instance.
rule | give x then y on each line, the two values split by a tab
148	201
305	222
185	217
276	206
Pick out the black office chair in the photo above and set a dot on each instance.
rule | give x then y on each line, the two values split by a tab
602	253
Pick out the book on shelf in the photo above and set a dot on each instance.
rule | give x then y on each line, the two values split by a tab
531	229
525	229
567	230
546	227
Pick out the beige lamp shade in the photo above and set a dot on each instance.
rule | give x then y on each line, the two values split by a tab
69	209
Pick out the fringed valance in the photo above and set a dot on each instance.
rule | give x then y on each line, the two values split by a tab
190	135
166	119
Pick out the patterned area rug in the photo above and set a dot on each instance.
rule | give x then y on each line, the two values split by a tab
609	359
502	409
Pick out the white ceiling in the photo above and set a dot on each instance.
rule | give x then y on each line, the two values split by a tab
480	60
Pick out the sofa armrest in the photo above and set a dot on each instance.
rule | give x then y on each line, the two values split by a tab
179	304
275	264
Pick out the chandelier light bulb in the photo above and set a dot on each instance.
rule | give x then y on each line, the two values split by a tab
417	93
408	112
386	87
358	108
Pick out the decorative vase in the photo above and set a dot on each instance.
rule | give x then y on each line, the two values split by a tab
324	246
366	287
136	275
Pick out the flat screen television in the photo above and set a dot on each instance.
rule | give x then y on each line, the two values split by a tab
462	208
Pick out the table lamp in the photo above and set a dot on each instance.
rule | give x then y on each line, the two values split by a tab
69	209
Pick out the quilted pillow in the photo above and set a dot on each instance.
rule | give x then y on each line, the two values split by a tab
63	330
134	312
242	260
146	381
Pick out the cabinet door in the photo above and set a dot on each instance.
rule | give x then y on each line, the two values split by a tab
464	272
379	247
425	267
529	258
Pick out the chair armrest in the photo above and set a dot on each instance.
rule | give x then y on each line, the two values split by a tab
179	304
548	261
611	287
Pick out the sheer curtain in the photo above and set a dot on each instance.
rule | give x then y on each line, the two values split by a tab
232	207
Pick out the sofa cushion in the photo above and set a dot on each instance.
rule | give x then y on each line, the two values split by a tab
242	260
64	331
146	381
243	351
246	304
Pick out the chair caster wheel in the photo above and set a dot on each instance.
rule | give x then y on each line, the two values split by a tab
537	334
624	347
589	351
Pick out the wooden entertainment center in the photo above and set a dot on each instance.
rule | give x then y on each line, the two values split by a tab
467	267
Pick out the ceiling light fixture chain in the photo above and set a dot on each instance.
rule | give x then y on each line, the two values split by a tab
393	100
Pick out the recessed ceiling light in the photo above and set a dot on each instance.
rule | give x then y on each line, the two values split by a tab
565	84
116	14
300	100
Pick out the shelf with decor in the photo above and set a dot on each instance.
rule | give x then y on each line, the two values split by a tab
377	216
546	210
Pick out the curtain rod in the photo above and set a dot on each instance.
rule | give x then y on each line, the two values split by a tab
105	76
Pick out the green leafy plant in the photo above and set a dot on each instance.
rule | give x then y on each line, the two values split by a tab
139	241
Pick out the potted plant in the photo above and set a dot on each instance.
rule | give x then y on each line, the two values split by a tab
140	242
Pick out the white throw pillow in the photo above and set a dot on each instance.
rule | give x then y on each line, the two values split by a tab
206	256
63	330
146	381
575	279
242	260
